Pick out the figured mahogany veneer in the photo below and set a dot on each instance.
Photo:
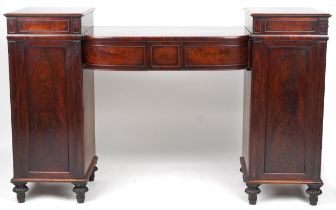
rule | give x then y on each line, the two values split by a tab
104	48
53	52
49	21
167	55
218	55
287	21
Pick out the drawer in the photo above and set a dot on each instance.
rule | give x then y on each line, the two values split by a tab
116	56
290	25
215	55
43	25
166	56
286	25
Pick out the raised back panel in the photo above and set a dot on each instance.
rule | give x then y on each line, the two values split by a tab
287	90
46	87
287	139
50	109
47	109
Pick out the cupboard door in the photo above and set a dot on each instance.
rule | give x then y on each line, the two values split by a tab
49	105
290	85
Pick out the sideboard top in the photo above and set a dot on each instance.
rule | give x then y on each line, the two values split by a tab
167	31
285	11
50	11
78	11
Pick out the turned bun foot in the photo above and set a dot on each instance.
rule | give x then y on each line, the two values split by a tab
92	176
80	190
243	176
20	189
313	193
252	191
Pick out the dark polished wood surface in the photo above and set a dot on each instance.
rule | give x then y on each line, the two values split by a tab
143	33
159	48
283	100
285	12
50	11
53	52
51	98
287	21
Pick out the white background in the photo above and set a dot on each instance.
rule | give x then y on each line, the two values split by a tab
169	140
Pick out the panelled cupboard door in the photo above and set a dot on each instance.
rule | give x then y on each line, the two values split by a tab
46	92
289	83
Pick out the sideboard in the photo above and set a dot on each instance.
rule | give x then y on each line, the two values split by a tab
53	53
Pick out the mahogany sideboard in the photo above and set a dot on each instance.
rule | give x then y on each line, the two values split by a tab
53	52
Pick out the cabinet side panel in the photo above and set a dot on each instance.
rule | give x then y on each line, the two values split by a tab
246	116
17	163
257	111
287	89
317	104
89	118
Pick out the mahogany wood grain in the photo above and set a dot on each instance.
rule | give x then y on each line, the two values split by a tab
117	55
166	55
167	33
49	107
283	114
49	21
108	50
222	56
50	12
89	136
285	12
52	99
50	25
53	52
47	127
287	21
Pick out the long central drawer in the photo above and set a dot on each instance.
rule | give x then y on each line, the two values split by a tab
166	52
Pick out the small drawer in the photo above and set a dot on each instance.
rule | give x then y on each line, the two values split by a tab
166	56
291	25
115	56
214	56
286	25
43	25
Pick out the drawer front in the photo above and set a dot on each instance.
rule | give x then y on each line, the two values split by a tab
290	25
214	56
299	25
47	25
116	56
43	25
166	56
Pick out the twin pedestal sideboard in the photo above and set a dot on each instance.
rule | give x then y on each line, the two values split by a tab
53	53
